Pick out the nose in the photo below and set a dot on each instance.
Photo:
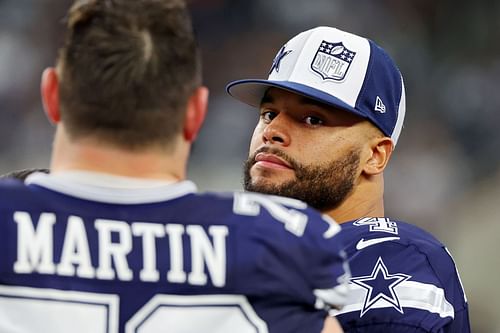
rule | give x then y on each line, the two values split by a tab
277	131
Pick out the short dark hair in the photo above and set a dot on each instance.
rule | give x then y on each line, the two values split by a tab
127	69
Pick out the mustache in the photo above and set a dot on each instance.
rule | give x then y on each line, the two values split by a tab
294	164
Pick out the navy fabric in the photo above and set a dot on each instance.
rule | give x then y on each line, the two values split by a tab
383	81
275	269
414	264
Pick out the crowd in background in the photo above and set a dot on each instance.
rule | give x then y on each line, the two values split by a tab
445	172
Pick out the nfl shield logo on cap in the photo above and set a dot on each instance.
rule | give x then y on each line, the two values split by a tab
332	61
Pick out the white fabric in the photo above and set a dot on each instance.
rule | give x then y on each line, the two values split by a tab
296	66
411	294
110	188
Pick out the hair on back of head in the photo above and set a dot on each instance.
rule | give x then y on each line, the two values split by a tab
127	69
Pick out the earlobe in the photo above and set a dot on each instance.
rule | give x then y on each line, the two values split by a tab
50	94
380	152
195	113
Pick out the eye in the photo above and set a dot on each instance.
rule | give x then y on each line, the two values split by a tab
313	121
268	116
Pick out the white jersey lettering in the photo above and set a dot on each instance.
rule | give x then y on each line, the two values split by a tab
34	246
113	245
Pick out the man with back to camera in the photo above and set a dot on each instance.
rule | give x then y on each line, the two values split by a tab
115	239
331	113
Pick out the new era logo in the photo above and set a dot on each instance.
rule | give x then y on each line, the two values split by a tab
379	105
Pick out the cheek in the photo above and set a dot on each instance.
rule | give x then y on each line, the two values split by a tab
256	139
316	150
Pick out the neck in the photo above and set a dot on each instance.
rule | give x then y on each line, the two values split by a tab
92	155
365	200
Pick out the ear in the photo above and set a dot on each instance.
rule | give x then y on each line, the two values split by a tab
50	94
379	154
195	113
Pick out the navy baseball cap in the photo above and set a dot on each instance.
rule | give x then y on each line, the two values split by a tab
339	69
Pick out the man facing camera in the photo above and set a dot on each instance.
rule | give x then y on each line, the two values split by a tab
331	113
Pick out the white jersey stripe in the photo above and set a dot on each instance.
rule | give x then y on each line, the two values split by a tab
411	294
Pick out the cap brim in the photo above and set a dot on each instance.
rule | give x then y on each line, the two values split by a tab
252	91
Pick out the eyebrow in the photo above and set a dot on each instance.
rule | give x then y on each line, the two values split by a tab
310	101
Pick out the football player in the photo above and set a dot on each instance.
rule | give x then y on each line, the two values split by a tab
331	113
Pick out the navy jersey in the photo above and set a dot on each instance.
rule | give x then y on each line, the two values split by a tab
87	257
403	280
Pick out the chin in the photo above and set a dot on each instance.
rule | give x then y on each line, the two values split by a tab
270	179
264	185
274	173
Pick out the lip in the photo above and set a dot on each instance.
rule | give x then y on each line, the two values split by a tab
271	161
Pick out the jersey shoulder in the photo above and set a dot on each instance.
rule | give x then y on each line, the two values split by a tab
286	238
294	234
400	274
294	216
13	191
388	230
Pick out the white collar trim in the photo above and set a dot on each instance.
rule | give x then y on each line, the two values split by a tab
112	189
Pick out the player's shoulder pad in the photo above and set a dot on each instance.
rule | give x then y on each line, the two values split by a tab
398	268
23	173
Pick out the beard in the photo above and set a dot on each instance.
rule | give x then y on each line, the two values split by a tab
323	187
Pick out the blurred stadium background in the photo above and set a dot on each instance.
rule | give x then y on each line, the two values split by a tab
445	174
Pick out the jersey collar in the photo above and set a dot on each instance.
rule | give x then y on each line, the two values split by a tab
113	189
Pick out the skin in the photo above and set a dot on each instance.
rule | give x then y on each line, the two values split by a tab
295	130
332	326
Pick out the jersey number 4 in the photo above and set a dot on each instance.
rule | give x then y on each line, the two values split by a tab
380	224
